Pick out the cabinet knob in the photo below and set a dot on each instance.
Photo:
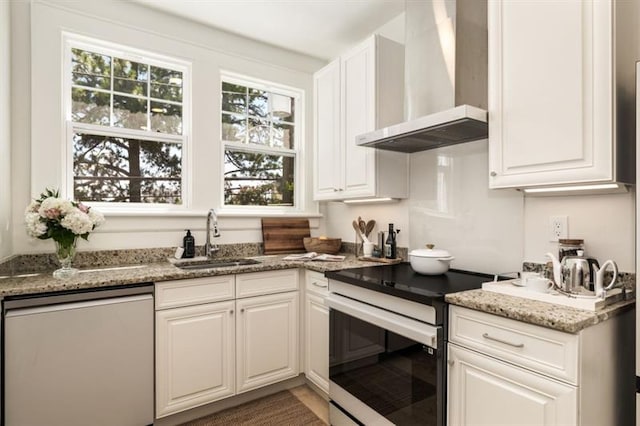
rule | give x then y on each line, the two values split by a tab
493	174
451	362
242	310
231	312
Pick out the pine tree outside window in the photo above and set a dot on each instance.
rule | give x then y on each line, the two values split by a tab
261	142
127	115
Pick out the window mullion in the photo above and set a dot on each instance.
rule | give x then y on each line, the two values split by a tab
149	97
251	148
246	118
111	86
121	132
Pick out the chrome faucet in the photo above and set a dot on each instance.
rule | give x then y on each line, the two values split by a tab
211	249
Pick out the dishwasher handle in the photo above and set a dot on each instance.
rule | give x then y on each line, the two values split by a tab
34	310
93	294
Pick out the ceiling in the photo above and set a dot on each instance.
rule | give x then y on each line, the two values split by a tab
319	28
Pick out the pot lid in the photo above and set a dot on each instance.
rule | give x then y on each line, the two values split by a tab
430	251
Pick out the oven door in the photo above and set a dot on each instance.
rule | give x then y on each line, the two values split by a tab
384	368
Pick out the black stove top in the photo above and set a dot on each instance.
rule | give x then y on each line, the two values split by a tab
402	281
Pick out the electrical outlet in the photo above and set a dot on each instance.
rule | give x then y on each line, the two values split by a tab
558	227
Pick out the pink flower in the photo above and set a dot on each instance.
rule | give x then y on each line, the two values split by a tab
83	208
52	213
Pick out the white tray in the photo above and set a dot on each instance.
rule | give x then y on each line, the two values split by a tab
589	304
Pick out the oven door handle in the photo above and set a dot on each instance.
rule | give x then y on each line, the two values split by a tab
407	327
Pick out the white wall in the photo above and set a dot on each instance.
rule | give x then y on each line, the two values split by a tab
6	246
491	230
452	207
605	222
338	219
39	125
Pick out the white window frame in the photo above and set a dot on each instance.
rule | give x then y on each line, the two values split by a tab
129	53
297	152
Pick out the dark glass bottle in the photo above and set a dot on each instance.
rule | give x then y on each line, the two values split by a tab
189	245
390	244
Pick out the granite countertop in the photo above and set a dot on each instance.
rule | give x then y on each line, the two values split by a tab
545	314
44	282
120	268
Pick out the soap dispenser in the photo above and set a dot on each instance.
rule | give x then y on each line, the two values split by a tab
189	245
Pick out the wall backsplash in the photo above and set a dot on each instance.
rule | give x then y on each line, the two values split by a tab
490	231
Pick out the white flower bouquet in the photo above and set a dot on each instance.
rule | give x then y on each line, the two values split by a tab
63	221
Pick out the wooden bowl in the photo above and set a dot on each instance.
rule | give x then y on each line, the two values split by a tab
322	245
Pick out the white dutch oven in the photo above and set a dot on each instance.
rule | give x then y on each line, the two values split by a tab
430	261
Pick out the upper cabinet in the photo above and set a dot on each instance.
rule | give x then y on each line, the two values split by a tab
359	92
561	92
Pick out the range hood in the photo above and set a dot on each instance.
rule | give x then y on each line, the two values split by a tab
445	75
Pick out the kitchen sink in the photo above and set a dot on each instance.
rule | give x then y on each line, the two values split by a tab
217	263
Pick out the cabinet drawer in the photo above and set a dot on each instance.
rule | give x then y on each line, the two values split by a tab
171	294
547	351
316	282
258	283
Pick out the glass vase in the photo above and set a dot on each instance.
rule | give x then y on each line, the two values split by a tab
65	253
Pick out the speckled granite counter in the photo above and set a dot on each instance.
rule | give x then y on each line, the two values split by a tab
548	315
154	272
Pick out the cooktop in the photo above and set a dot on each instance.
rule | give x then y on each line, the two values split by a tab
402	281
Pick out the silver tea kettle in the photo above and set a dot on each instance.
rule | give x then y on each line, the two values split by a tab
580	270
575	273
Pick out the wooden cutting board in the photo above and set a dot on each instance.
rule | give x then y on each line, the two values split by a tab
283	235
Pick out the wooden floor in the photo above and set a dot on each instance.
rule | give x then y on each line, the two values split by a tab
281	408
313	401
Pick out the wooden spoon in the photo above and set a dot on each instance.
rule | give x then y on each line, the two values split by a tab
362	225
369	227
356	227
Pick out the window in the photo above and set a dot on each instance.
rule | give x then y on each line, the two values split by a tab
260	136
127	132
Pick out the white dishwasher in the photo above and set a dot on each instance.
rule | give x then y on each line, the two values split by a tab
79	359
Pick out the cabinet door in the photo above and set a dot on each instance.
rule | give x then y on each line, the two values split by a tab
550	97
359	111
267	340
485	391
328	165
195	355
317	341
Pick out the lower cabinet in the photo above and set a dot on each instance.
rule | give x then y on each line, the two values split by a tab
316	334
267	339
211	344
195	356
506	372
485	391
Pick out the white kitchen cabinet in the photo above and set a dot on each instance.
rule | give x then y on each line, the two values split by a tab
485	391
195	356
223	335
506	372
359	92
316	334
554	94
267	339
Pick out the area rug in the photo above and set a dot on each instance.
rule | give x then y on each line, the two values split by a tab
282	408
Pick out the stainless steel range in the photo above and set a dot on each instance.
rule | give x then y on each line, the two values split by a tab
387	356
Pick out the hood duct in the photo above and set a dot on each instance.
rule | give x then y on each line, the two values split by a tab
445	77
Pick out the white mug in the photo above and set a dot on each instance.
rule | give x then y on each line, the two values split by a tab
540	285
367	248
524	276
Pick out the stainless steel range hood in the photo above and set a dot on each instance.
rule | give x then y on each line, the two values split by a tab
446	78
